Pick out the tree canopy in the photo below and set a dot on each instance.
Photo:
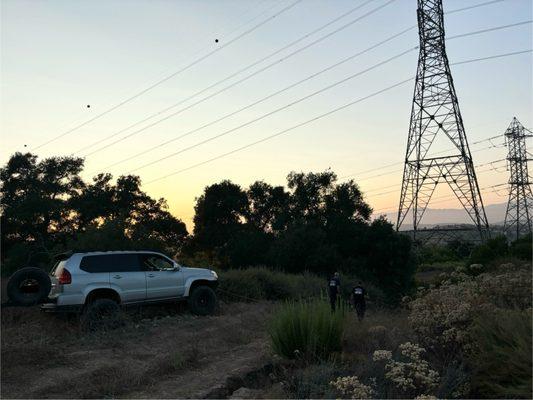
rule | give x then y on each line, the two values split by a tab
314	223
47	207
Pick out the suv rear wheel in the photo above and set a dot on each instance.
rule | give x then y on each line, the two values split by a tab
203	300
102	314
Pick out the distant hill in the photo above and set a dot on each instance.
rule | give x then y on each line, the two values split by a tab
443	216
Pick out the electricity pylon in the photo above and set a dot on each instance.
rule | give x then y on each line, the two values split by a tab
520	205
435	112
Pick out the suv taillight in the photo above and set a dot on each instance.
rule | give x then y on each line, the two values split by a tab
65	278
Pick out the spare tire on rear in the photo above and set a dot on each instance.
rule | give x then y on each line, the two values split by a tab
203	300
28	286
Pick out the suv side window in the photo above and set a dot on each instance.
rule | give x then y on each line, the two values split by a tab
111	263
154	262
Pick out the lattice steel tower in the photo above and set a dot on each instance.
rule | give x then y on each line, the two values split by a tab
520	205
435	113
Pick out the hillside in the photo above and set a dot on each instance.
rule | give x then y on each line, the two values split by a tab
442	216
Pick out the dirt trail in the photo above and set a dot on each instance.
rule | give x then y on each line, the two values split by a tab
176	356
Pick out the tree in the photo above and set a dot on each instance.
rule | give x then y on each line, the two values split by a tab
35	197
219	214
268	207
46	208
316	225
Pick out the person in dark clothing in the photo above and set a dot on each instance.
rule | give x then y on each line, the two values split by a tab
358	300
334	290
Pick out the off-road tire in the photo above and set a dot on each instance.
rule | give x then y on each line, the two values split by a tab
202	300
100	315
28	286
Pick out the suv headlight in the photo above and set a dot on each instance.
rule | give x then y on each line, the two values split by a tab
214	274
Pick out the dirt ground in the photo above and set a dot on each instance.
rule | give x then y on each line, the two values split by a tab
162	352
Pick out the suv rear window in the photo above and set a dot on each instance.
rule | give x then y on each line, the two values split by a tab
111	263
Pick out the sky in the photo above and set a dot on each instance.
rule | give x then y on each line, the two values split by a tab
58	57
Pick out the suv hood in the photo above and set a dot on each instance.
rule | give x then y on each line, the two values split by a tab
199	272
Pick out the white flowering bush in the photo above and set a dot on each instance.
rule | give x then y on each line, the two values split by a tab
400	374
353	388
411	374
441	317
382	355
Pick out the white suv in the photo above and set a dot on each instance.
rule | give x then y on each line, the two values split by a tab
98	282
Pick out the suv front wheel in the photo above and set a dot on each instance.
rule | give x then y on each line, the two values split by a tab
203	300
101	314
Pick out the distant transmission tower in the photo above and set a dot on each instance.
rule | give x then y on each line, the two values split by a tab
520	205
436	112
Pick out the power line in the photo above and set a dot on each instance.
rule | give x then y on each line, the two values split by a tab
490	29
284	131
194	62
255	74
312	120
229	76
152	86
493	57
280	109
276	110
222	90
258	101
401	162
393	191
473	6
397	171
270	96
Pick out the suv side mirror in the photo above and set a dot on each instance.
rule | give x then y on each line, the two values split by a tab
176	267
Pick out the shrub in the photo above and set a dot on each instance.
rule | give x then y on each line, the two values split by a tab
307	330
264	284
403	373
488	251
384	329
352	388
522	247
313	381
441	266
441	317
501	358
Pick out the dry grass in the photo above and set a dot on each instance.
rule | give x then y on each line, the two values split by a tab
381	329
43	356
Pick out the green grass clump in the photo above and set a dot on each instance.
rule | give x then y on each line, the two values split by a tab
501	361
307	330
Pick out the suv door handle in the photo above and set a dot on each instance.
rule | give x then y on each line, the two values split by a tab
151	275
117	277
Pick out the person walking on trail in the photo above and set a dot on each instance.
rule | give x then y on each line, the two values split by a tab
358	300
334	290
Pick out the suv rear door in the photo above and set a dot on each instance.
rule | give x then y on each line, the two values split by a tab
163	279
126	275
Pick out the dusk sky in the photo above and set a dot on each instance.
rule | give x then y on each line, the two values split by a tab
57	57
